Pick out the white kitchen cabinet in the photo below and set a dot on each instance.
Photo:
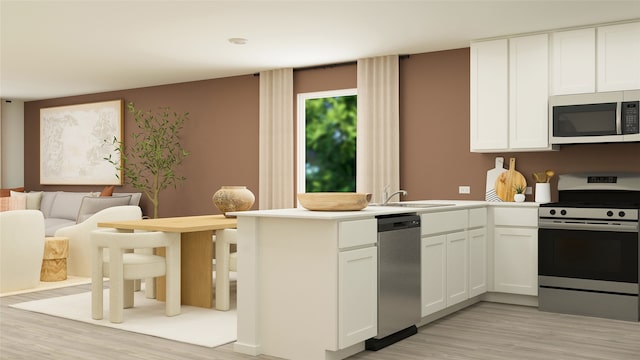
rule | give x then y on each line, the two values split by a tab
477	239
457	268
477	261
515	250
619	57
306	268
444	259
489	95
509	94
573	62
357	286
434	272
529	92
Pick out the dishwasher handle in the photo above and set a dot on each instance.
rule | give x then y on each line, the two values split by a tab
393	223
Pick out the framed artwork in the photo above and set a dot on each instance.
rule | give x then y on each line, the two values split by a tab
73	147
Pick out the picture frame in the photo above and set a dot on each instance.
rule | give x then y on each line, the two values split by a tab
75	139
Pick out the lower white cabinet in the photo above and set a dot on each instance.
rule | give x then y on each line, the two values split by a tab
516	260
434	272
444	258
357	295
477	239
457	268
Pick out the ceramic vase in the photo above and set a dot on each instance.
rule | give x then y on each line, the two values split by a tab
518	197
233	198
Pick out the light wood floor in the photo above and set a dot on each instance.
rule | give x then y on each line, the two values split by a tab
483	331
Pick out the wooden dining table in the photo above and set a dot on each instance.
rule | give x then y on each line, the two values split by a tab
196	248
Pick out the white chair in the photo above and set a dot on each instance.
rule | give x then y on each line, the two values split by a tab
21	249
123	266
226	261
79	260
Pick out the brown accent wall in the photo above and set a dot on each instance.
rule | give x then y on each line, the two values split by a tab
222	134
434	136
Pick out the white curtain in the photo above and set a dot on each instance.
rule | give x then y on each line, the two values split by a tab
378	146
276	139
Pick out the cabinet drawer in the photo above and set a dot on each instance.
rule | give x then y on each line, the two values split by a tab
357	233
515	216
446	221
477	217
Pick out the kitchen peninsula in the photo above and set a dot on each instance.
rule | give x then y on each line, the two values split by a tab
307	280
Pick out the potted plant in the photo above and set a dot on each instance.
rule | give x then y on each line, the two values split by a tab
150	162
519	195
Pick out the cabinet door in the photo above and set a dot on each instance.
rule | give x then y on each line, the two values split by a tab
516	260
433	264
619	57
573	62
489	95
528	92
357	296
477	261
457	268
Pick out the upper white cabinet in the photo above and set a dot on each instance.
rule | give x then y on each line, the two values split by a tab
573	62
509	93
619	57
489	95
528	92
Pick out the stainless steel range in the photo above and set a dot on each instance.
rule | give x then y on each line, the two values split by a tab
588	247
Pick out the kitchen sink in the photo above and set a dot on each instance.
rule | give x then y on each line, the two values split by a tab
412	205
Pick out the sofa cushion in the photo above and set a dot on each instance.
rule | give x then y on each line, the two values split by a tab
13	203
32	198
66	205
135	197
91	205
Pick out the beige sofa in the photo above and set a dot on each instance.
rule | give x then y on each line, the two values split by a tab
21	249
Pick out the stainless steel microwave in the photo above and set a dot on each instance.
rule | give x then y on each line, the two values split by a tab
595	118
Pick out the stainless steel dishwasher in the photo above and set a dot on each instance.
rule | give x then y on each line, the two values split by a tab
398	279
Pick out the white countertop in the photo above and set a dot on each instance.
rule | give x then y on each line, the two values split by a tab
372	211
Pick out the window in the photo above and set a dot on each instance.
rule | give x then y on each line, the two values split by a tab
327	141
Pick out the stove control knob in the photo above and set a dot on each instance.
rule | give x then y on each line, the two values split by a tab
563	212
552	212
621	214
609	213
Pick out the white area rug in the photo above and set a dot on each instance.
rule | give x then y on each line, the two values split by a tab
48	285
194	325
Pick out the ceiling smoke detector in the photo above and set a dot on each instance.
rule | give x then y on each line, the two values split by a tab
238	41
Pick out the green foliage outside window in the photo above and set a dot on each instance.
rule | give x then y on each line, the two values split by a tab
331	144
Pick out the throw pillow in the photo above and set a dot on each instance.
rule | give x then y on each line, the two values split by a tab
13	203
107	191
32	198
91	205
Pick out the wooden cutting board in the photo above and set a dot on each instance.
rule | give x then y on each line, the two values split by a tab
492	176
508	180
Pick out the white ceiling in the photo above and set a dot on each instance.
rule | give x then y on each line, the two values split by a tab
54	49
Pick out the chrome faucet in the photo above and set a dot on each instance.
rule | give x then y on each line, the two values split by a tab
387	198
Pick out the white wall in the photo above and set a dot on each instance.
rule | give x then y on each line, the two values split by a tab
11	143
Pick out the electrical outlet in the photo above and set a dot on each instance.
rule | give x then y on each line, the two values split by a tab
528	190
464	189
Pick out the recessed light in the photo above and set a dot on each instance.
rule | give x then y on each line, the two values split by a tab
238	41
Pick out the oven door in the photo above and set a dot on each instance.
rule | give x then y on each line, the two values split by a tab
591	255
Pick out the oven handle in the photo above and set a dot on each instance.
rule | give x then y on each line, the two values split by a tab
588	225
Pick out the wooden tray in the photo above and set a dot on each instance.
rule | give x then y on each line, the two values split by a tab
334	201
